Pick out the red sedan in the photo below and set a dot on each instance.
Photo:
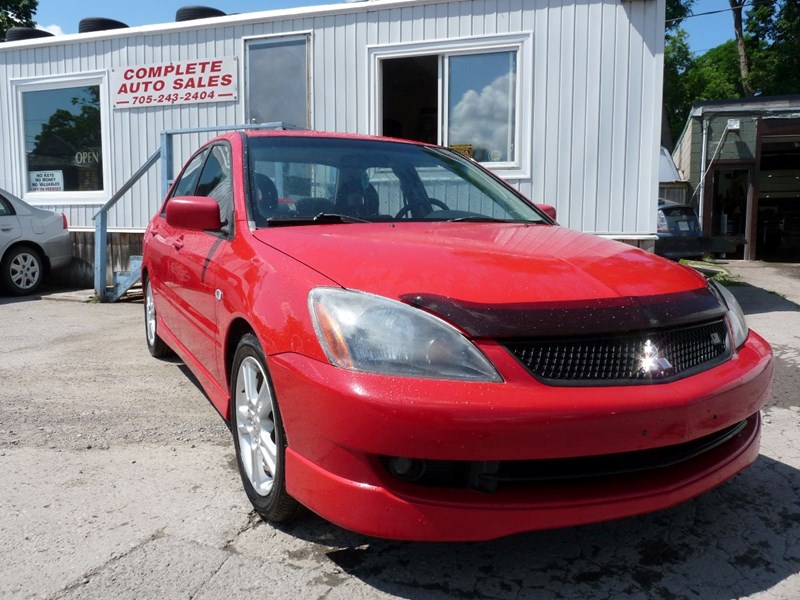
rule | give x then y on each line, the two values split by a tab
406	346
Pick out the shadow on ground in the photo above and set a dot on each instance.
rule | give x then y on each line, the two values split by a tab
737	540
755	300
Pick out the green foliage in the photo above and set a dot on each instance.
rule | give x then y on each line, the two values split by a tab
773	27
677	94
715	74
16	13
677	10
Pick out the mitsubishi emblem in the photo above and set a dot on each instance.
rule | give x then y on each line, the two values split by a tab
651	360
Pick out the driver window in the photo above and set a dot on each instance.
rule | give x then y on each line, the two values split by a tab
188	181
215	180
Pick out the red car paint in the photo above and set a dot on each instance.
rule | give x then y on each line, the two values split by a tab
209	288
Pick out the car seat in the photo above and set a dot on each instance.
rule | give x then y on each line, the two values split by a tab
266	196
357	197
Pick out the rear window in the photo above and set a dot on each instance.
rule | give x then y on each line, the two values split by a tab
678	211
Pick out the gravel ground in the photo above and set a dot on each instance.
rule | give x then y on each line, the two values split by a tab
118	481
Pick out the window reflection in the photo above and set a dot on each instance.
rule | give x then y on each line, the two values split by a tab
482	105
63	139
278	82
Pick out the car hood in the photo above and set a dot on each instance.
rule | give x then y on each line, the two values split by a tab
503	278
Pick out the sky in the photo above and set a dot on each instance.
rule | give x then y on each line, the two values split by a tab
62	16
707	31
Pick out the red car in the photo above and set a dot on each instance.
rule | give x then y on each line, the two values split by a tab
408	347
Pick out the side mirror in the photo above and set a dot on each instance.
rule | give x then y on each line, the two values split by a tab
194	212
548	209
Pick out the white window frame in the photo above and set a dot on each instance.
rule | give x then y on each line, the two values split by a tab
308	36
521	43
37	84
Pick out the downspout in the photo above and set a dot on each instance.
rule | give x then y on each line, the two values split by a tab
701	187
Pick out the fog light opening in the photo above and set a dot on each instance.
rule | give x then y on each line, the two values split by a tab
407	469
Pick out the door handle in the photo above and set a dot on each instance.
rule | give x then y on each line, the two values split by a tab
5	228
177	243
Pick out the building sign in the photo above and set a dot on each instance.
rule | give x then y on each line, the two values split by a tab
185	82
46	181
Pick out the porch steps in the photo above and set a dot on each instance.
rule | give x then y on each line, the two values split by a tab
125	280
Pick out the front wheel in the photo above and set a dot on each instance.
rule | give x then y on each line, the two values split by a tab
22	270
258	434
155	345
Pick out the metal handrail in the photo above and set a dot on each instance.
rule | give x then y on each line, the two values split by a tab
165	154
101	227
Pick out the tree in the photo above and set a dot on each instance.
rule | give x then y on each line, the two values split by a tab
677	59
16	13
738	29
715	75
678	96
774	46
677	11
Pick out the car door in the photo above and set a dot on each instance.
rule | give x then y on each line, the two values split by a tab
9	225
164	271
189	276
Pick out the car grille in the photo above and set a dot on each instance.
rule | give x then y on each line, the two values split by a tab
649	357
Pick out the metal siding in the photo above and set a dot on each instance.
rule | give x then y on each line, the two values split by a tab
592	124
650	137
633	148
592	134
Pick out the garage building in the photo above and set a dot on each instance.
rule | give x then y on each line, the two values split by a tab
742	158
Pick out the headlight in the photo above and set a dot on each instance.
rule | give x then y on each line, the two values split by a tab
735	314
363	332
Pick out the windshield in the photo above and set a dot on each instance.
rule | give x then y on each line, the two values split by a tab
295	179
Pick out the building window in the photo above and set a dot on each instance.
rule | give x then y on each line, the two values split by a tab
465	99
63	139
277	81
481	105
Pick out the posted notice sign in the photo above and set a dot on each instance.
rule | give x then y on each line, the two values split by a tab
46	181
184	82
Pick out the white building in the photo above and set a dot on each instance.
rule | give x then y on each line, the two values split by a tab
560	97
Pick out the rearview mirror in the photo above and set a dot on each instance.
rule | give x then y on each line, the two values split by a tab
198	213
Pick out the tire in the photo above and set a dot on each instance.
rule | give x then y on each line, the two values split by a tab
25	33
190	13
22	270
90	24
258	434
157	347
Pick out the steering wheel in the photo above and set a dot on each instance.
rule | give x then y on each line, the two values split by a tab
403	211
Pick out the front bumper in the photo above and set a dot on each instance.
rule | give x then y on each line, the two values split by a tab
339	423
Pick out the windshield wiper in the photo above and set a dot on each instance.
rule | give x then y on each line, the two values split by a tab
320	219
479	218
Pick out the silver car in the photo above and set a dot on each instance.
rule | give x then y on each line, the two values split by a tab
32	242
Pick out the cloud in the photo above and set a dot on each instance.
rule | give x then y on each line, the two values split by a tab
54	29
481	119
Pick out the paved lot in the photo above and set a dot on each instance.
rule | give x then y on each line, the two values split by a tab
118	481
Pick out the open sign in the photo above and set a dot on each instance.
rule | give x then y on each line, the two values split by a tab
87	157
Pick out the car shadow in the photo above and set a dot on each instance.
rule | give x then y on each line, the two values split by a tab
739	539
42	292
6	299
755	300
